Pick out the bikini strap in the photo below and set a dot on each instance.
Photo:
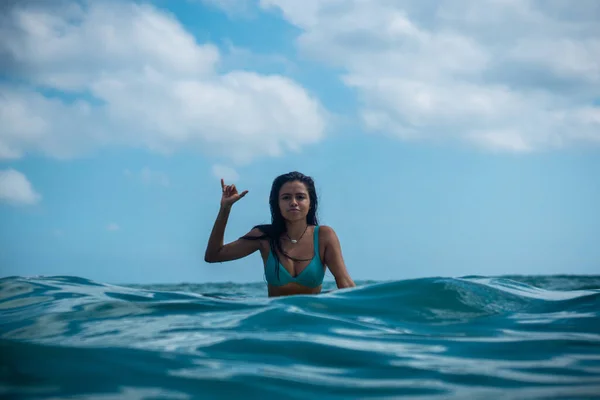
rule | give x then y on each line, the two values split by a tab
316	239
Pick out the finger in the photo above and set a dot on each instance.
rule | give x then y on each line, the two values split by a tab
243	193
222	184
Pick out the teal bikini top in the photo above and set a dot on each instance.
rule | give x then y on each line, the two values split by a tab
311	276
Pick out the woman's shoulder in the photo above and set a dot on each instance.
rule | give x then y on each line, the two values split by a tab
258	232
326	232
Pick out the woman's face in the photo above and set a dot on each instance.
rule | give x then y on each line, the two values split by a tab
294	202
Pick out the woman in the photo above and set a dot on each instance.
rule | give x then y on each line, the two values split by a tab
294	248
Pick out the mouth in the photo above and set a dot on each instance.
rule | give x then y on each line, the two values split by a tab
294	210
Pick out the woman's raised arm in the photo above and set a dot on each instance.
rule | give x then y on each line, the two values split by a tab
216	251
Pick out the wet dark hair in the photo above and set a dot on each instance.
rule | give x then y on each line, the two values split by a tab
276	228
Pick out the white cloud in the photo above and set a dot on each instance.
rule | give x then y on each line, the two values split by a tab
15	189
509	75
227	173
138	79
235	57
112	227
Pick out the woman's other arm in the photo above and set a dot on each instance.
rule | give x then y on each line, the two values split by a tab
334	259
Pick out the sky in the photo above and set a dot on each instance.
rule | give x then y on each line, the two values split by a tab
445	138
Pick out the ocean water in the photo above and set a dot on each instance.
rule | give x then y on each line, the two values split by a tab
519	337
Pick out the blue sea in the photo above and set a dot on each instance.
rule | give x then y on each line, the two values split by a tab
510	337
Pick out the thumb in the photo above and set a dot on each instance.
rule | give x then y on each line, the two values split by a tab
243	193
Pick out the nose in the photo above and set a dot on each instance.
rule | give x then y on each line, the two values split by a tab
293	203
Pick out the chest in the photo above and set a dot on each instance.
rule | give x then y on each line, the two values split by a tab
295	257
